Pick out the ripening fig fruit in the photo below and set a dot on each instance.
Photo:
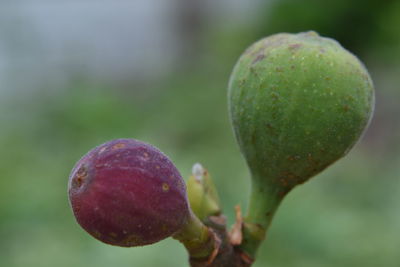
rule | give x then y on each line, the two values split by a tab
128	193
298	103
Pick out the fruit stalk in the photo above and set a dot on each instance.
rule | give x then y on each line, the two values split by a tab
200	241
264	201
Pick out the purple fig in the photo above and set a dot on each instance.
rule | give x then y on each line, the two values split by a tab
127	193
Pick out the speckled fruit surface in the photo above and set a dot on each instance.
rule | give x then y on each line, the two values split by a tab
127	193
298	102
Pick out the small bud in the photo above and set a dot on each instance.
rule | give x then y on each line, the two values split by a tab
203	196
198	171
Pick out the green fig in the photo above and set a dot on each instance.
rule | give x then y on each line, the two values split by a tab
297	102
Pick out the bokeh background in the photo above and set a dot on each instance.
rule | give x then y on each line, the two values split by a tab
77	73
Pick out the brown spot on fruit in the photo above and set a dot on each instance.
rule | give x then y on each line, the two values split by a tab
82	171
118	146
259	57
78	182
295	46
80	177
165	187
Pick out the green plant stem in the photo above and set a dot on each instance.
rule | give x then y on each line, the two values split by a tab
199	240
264	200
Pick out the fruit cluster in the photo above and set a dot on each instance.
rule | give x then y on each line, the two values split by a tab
298	103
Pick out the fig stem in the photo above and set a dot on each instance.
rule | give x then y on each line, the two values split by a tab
264	200
198	239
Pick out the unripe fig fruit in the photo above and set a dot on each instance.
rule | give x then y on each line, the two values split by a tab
128	193
298	103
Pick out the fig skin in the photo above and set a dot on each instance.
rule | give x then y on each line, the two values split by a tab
127	193
298	103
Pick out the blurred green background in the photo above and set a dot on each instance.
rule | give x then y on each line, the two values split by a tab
74	74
